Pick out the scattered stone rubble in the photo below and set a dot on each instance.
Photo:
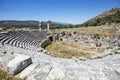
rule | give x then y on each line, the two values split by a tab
91	41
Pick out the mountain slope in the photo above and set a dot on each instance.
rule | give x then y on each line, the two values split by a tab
15	23
107	17
30	24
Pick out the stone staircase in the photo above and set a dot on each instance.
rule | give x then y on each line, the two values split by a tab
24	39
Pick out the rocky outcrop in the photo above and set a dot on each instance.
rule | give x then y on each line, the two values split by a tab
106	68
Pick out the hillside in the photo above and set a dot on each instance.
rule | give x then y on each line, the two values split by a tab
107	17
15	23
30	24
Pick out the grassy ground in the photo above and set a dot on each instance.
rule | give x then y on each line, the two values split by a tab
103	31
5	76
68	50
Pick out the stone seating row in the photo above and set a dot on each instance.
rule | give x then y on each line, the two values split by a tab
34	35
22	39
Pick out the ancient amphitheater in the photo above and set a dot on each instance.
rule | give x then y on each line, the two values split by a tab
27	40
22	54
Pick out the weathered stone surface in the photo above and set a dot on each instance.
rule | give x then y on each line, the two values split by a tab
56	73
27	70
19	63
104	54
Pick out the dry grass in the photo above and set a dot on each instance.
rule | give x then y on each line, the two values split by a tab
5	76
68	50
103	31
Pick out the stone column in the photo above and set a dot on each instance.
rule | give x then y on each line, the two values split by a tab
48	25
40	26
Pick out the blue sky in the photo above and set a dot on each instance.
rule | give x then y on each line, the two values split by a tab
67	11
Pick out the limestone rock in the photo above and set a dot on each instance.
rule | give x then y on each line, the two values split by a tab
27	70
19	63
56	74
82	58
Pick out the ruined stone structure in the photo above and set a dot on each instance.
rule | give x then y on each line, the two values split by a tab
47	28
91	41
33	40
22	54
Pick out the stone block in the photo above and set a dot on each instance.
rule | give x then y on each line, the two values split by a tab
17	64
